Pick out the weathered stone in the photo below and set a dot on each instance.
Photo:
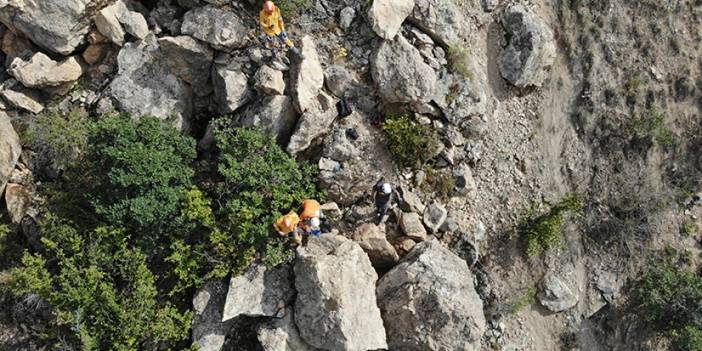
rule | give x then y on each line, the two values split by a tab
107	23
231	89
144	85
374	242
338	80
412	226
59	26
400	73
18	198
434	216
489	5
95	53
341	148
405	245
10	149
556	295
428	302
222	29
346	16
14	45
24	100
190	60
410	201
463	178
527	59
208	330
261	291
273	114
269	81
281	334
307	76
444	20
134	23
313	124
386	16
336	306
41	71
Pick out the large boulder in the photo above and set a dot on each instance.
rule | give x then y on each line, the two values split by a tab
269	81
386	16
145	85
400	73
444	20
528	57
42	72
307	76
434	216
23	99
231	88
114	20
208	330
558	293
428	302
222	29
281	334
313	124
260	291
374	242
274	114
58	26
190	60
10	149
336	305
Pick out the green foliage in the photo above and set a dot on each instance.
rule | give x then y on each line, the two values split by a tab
669	299
632	87
259	183
459	58
689	228
59	139
101	290
652	127
291	8
440	182
411	143
526	299
138	172
544	232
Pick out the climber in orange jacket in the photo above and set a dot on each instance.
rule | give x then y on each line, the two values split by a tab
273	25
310	214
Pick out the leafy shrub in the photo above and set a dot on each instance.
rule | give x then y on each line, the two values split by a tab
290	8
544	232
458	58
632	87
102	293
60	140
652	128
526	299
440	182
411	143
669	299
259	183
138	172
689	228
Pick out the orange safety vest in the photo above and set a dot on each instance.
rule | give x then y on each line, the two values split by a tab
292	218
272	23
310	209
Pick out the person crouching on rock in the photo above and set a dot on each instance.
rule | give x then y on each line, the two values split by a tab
383	195
287	226
310	215
274	27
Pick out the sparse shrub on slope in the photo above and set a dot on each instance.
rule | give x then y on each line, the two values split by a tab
543	232
411	143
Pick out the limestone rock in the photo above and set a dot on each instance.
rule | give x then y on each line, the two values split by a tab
23	99
445	20
412	226
434	216
410	201
222	29
400	73
428	302
556	294
273	114
134	23
346	16
107	23
208	330
386	16
374	242
190	60
144	85
231	89
336	305
341	148
338	80
307	76
463	178
95	53
528	57
313	124
41	71
18	198
58	26
269	81
281	334
261	291
10	149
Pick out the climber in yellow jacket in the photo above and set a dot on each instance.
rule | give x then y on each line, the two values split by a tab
273	25
287	226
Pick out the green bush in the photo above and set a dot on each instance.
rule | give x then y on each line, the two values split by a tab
669	300
411	143
439	182
652	128
544	232
291	8
458	58
260	182
60	140
138	172
102	293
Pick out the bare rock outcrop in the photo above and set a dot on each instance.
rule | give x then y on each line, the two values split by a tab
10	149
307	76
222	29
260	291
42	72
386	16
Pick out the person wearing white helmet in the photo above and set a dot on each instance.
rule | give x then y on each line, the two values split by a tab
384	195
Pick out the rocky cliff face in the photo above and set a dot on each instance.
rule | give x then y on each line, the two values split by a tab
527	101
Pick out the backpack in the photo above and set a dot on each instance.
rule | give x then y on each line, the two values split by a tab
344	108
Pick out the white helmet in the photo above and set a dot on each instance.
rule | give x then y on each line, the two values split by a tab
387	188
314	222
